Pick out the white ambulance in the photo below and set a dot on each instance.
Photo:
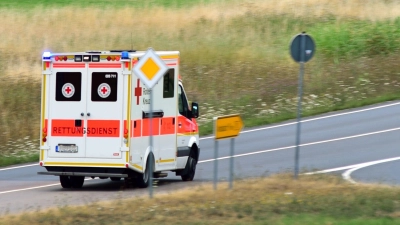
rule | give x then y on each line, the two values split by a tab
95	119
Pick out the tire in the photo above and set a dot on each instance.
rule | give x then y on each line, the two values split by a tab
190	169
65	181
77	181
143	180
115	178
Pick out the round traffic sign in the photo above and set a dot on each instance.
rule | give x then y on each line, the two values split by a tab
302	47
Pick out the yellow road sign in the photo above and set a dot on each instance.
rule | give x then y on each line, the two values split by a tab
227	126
150	68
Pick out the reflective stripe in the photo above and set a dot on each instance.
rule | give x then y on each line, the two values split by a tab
146	127
69	65
103	128
105	65
137	128
165	160
63	128
44	122
138	167
167	125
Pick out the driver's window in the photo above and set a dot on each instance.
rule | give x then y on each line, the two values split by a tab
182	102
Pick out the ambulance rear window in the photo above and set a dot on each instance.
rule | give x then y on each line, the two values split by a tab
104	86
169	84
68	86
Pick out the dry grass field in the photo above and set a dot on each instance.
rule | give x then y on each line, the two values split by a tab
278	200
234	53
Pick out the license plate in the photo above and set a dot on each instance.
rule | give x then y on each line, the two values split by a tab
67	148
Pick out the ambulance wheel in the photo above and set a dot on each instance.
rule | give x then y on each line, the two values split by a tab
143	180
115	178
77	181
190	168
65	182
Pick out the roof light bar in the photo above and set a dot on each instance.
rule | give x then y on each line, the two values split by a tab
86	58
95	58
124	55
78	58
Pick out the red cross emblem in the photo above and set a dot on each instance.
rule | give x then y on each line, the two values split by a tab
104	90
68	90
138	91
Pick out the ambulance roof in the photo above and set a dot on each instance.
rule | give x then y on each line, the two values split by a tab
132	53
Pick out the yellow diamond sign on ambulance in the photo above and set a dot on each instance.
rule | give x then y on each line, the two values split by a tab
227	126
150	68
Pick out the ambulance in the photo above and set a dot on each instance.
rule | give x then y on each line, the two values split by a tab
96	119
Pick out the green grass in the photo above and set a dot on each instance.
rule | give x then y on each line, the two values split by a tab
18	159
280	200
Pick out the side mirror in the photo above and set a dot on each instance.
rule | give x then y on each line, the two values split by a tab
195	110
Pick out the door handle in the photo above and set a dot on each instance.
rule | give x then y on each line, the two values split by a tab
82	114
88	114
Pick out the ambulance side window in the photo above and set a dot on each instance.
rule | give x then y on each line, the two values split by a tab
182	103
169	83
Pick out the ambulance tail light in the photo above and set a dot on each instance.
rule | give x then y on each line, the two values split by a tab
41	163
44	135
126	133
126	165
61	58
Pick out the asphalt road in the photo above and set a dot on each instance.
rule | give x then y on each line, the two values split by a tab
361	144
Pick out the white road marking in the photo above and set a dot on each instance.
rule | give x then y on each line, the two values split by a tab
351	168
17	167
346	174
313	119
37	187
306	144
25	189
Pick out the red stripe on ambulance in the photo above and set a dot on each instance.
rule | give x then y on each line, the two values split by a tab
66	128
69	65
103	128
105	65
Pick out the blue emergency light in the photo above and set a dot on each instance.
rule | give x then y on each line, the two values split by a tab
124	55
46	55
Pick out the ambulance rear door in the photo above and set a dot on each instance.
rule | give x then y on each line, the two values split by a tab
104	112
67	105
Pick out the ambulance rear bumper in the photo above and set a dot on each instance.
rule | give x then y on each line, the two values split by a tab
83	174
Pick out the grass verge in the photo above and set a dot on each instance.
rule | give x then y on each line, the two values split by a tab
317	199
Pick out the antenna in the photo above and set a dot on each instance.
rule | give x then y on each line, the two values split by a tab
131	41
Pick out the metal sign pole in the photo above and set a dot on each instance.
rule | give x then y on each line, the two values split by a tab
215	163
231	164
300	96
151	145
